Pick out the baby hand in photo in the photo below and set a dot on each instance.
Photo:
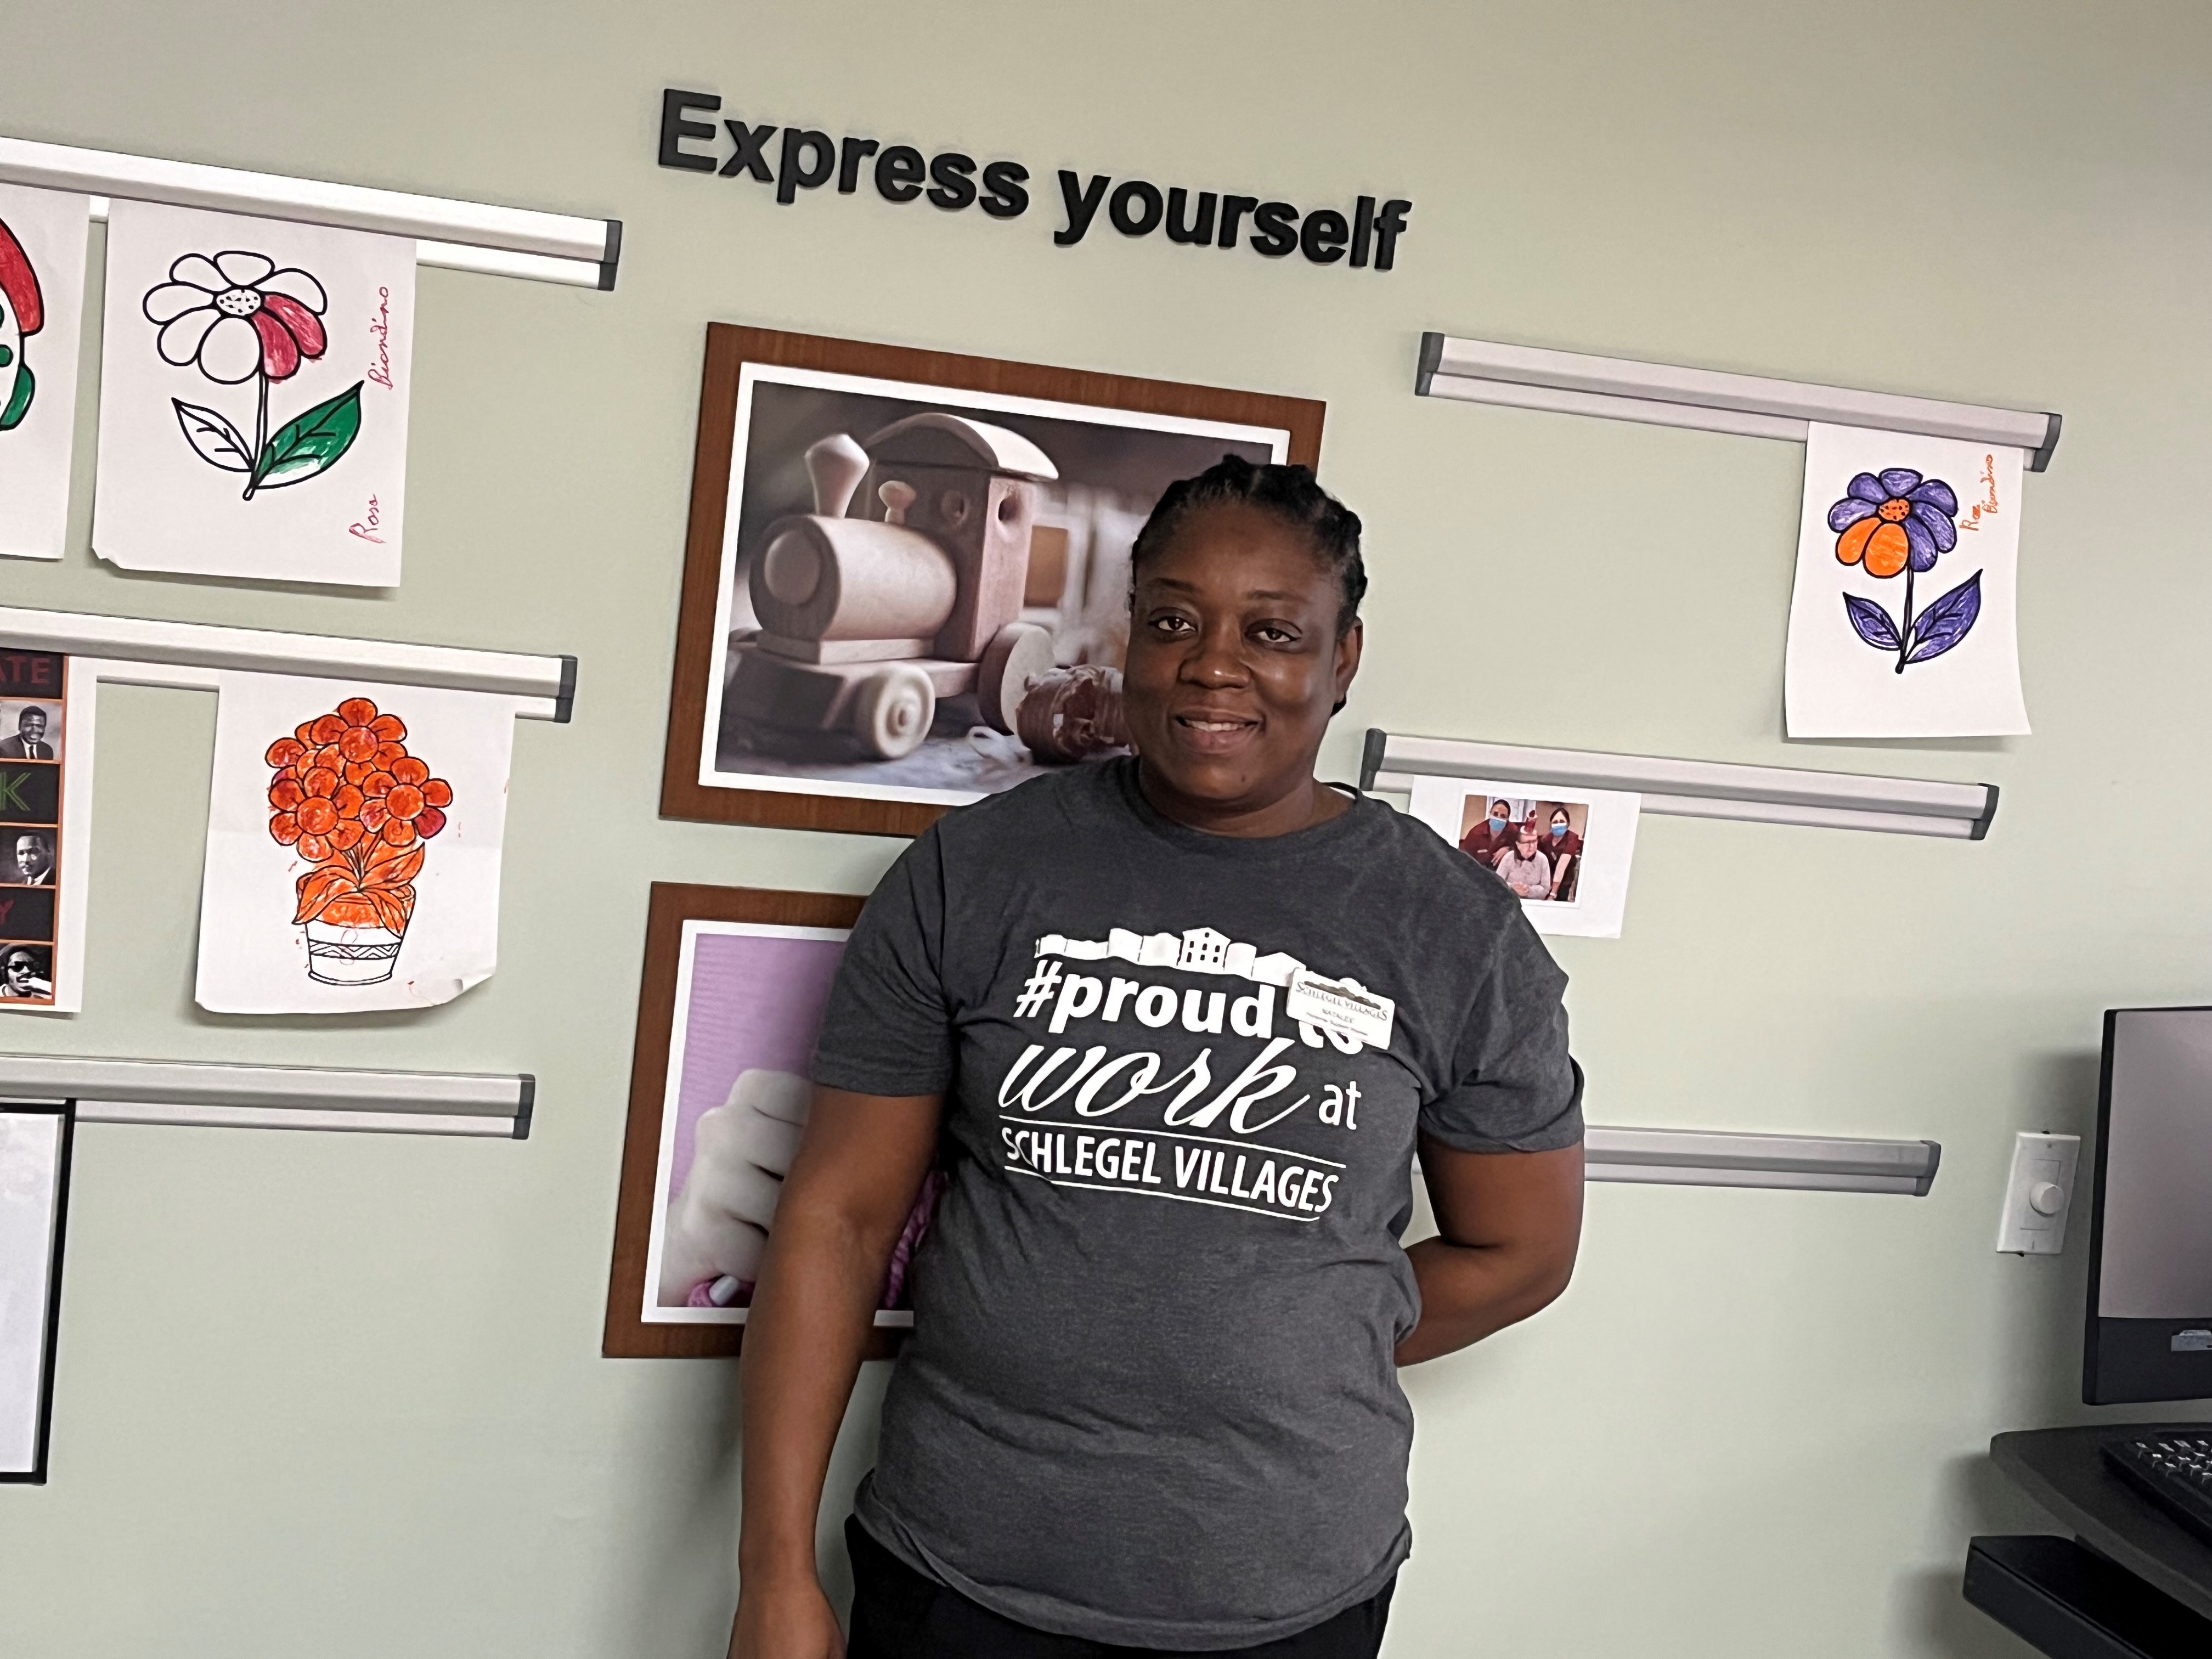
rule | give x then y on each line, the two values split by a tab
742	1149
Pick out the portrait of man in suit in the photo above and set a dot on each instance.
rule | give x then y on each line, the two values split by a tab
30	861
29	742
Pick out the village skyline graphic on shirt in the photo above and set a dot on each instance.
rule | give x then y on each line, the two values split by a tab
1219	1130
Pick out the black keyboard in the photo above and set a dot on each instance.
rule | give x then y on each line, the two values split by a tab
2174	1471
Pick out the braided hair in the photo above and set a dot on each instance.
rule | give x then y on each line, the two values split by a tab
1287	492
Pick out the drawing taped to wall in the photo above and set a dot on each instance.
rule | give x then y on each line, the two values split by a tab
1565	856
236	316
42	267
343	873
907	579
1893	521
22	313
255	397
360	812
1901	621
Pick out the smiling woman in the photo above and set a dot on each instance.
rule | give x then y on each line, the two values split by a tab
1151	1401
1238	654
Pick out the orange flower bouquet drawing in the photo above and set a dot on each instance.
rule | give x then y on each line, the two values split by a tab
358	808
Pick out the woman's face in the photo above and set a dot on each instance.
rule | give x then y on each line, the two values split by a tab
1234	663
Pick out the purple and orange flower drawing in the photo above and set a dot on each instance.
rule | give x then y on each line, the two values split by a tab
1897	521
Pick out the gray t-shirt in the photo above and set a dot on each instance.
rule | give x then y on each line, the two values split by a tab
1150	1399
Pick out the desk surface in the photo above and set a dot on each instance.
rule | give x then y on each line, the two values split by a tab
2062	1470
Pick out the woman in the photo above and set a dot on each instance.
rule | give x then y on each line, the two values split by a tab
1491	836
1564	848
1523	867
1150	1402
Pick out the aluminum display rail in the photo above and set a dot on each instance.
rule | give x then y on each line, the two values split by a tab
236	1096
1696	789
1709	400
137	649
500	241
1709	1157
223	1095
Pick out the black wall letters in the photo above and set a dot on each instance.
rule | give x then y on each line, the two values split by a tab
807	159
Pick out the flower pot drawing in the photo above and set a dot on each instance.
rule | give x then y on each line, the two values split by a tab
360	812
346	948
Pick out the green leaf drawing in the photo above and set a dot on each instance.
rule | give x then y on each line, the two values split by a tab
311	443
19	401
213	439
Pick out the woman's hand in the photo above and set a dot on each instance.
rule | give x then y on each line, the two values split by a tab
784	1619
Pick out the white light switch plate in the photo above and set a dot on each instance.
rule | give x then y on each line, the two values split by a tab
2040	1195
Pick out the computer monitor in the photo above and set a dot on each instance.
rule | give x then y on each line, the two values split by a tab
2150	1330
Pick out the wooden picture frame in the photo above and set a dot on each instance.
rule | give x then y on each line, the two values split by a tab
779	768
630	1332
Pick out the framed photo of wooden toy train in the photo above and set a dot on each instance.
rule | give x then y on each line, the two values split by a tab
906	574
736	980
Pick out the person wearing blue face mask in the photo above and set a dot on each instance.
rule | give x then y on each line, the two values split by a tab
1491	836
1565	849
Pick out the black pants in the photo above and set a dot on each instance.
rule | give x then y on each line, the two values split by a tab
899	1614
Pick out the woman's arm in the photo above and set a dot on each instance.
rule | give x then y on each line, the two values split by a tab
1508	1225
844	1204
1560	865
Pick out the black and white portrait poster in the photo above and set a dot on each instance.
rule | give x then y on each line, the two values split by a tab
45	828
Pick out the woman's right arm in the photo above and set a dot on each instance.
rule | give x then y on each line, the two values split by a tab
844	1204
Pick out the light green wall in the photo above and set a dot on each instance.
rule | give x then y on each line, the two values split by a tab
341	1395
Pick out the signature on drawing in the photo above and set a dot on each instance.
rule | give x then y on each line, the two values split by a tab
381	326
368	524
1988	504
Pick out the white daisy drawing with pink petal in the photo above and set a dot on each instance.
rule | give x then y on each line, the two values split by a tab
235	316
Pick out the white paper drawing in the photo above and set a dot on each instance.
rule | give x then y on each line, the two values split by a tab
32	1153
254	384
1564	852
1903	619
42	255
354	841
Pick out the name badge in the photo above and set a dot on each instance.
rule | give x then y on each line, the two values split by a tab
1341	1004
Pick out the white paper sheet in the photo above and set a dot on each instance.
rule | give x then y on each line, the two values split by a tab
30	1191
42	256
254	383
409	923
1903	619
1573	883
45	885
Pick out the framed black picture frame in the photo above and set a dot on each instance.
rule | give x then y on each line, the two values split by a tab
37	1138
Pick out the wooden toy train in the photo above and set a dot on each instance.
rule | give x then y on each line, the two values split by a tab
867	623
